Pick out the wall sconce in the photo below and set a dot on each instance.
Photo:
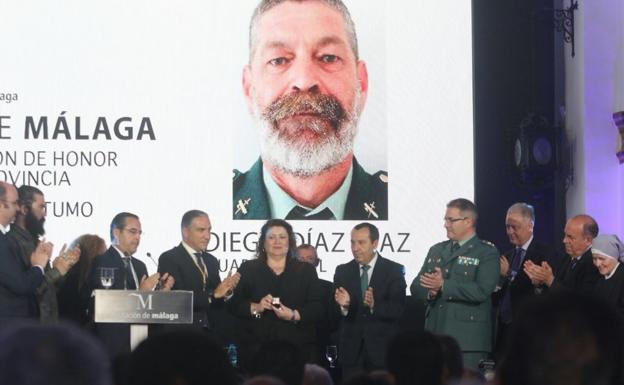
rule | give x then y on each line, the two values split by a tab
618	119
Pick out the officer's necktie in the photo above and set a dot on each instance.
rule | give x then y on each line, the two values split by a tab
364	279
570	270
129	281
299	212
454	247
516	263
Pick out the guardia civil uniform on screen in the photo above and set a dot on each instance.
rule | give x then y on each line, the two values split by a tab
362	196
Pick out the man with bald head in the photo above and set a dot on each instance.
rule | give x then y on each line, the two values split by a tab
18	279
576	272
306	87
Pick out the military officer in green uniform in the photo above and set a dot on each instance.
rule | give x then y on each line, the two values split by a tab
456	283
306	87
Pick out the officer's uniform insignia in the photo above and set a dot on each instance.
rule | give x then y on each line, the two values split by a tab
468	261
241	206
370	209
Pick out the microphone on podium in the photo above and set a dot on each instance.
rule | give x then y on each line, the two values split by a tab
159	284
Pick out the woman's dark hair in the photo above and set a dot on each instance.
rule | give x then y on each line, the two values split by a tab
91	246
292	243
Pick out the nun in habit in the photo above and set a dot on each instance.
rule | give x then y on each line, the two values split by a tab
608	253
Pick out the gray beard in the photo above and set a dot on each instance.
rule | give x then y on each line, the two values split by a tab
302	158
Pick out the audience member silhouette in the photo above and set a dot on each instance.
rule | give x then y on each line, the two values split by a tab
279	359
415	357
180	357
34	354
564	338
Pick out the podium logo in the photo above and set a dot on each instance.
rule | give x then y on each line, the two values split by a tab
145	301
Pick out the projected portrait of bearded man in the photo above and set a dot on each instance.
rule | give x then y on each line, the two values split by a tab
306	88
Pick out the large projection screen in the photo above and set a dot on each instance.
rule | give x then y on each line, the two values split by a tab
167	77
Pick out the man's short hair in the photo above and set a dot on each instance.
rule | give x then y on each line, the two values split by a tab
33	354
180	357
3	190
524	209
590	226
466	207
26	194
119	222
307	246
338	5
281	359
415	357
453	359
316	375
188	217
373	231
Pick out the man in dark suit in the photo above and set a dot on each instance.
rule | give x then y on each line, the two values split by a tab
194	269
514	284
18	280
575	272
327	324
370	297
129	273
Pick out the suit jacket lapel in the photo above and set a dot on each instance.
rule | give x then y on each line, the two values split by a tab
530	252
114	261
563	267
189	265
378	272
355	277
213	272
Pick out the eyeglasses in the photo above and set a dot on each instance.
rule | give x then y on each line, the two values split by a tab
134	231
453	220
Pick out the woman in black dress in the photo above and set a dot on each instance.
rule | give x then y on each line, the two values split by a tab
608	253
278	296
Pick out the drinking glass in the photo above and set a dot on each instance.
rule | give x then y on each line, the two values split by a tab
331	353
107	277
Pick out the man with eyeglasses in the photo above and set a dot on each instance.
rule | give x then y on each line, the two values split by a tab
129	274
456	283
18	280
